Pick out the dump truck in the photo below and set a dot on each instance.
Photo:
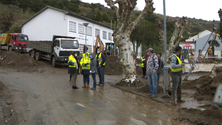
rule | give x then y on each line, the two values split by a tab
57	51
13	41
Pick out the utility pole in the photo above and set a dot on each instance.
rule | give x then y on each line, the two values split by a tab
85	24
165	56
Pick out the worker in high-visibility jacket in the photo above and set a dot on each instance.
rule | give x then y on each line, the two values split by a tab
85	63
101	59
143	66
176	75
73	68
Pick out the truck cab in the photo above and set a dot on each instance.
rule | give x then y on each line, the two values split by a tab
63	48
14	41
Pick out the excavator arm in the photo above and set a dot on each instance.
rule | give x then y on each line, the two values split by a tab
100	44
95	46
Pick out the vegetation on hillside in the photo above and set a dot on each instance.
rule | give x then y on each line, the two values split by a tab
15	12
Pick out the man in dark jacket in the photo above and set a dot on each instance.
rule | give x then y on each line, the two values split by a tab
101	59
160	69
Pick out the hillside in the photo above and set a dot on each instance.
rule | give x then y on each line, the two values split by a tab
98	12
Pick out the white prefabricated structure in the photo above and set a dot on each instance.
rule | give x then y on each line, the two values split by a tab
198	41
198	36
52	21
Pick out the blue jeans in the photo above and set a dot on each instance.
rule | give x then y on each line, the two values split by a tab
86	79
152	80
94	79
158	77
101	75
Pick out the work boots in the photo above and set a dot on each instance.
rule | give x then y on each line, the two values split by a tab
179	100
173	102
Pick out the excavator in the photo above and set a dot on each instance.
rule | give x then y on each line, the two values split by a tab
110	48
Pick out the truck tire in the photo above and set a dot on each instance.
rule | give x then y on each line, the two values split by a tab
37	56
53	61
9	48
33	54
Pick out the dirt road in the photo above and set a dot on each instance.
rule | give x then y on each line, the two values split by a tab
42	95
47	99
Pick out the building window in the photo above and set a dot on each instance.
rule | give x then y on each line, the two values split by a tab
97	32
110	36
89	31
81	29
104	35
72	26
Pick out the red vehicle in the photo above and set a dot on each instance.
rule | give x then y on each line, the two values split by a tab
14	41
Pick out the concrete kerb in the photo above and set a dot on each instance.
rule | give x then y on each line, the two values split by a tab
1	116
157	99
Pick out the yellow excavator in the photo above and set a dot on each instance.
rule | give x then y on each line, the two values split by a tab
108	50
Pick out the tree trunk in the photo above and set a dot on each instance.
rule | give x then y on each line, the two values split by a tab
126	56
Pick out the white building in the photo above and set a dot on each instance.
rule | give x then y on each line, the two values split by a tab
52	21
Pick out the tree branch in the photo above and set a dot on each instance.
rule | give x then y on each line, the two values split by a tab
147	9
161	35
111	4
220	15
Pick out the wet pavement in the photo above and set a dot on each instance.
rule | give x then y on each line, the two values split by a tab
48	99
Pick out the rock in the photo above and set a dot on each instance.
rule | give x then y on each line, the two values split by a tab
8	101
214	106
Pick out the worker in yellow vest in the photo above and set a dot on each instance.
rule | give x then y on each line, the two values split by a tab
143	66
85	63
176	75
101	59
73	67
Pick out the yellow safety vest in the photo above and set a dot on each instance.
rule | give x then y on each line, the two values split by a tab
180	62
142	64
100	57
73	60
85	60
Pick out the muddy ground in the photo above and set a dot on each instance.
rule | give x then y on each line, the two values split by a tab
114	67
43	96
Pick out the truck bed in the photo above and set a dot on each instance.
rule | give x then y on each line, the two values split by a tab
4	39
43	46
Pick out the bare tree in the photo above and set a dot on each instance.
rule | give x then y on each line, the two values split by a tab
125	25
220	15
176	36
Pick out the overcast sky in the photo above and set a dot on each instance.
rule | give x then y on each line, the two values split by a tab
200	9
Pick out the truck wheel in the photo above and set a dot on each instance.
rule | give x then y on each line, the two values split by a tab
33	54
37	56
53	61
9	48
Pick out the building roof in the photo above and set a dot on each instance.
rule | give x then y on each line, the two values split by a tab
190	42
199	35
67	13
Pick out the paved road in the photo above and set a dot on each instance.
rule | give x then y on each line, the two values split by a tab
47	99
